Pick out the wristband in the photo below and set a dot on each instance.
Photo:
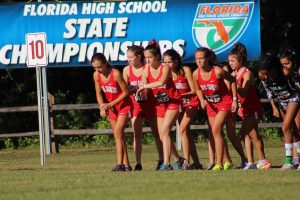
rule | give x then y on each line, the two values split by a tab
234	98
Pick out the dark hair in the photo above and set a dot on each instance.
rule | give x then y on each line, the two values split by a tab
138	51
215	61
291	54
210	55
268	62
100	57
174	57
153	46
240	51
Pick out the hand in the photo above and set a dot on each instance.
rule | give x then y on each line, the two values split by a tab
132	89
103	113
234	106
141	88
104	106
240	112
234	73
203	104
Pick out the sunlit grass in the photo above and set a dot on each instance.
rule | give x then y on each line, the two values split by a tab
85	173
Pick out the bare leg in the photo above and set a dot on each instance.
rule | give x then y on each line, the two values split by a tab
230	127
217	124
137	138
158	142
249	131
290	115
184	122
164	130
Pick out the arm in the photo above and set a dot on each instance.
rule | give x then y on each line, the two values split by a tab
131	89
220	73
126	74
227	82
189	76
120	80
99	94
274	108
198	90
164	78
270	97
248	78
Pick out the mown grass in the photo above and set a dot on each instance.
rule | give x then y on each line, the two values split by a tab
84	173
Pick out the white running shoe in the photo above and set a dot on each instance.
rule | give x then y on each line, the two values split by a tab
250	166
286	167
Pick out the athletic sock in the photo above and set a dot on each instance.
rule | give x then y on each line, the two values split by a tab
297	146
296	160
288	153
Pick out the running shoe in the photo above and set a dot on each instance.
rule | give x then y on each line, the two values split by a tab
118	168
196	166
244	163
286	166
127	168
210	166
263	164
250	166
178	164
138	167
217	167
296	162
186	166
165	167
159	163
228	166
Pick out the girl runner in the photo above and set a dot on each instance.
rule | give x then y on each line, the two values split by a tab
215	97
182	77
117	107
142	107
278	87
158	77
250	108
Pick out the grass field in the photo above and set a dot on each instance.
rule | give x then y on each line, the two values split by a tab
84	173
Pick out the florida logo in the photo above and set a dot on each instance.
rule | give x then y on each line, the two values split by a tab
219	25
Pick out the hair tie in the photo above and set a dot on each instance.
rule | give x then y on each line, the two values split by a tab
152	42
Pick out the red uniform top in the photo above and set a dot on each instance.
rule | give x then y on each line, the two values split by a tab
168	88
134	81
251	100
182	85
215	90
112	90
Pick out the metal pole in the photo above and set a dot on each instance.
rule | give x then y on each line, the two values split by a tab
40	113
46	111
178	138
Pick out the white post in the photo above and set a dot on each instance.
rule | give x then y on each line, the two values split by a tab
178	138
46	111
40	113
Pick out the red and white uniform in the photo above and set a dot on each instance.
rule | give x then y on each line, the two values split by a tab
112	91
168	88
182	85
250	105
217	95
144	108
